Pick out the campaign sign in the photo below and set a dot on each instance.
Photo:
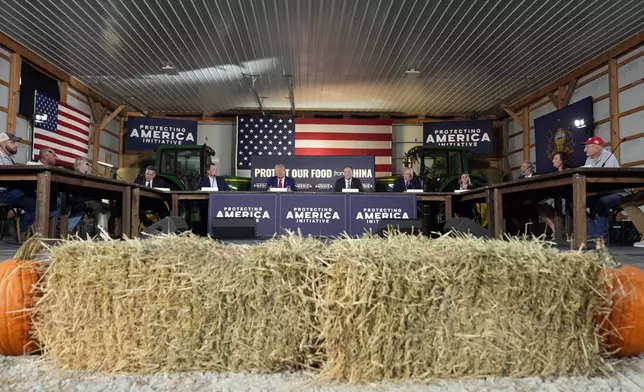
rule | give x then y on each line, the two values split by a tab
556	132
145	133
366	211
476	136
313	173
316	215
261	206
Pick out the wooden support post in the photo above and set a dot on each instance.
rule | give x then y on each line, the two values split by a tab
63	91
514	116
561	91
449	210
14	88
554	100
559	219
490	202
579	211
111	117
569	90
43	190
497	226
526	132
99	113
613	92
121	143
175	205
136	197
126	212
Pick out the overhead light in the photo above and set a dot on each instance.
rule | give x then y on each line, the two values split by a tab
412	71
40	118
169	70
581	123
104	164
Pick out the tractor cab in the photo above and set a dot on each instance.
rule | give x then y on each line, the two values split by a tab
181	167
440	167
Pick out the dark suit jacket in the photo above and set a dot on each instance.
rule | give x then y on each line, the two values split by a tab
221	183
156	181
289	182
341	184
399	184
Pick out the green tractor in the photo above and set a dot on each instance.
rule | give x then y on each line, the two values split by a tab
440	168
181	167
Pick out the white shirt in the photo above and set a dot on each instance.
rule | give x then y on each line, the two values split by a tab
605	157
148	184
347	183
213	182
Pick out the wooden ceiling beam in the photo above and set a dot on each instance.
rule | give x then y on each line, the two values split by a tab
515	117
597	62
569	90
52	70
554	100
111	117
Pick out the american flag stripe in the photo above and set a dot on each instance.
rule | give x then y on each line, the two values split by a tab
66	130
315	136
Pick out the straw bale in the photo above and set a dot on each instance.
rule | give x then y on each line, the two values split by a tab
179	303
406	307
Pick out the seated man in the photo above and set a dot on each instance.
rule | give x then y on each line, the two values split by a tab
348	182
149	179
279	180
527	170
407	181
212	181
599	205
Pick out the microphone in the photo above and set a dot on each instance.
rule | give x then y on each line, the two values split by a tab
117	174
612	150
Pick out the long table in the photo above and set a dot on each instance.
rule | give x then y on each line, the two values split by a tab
42	179
583	181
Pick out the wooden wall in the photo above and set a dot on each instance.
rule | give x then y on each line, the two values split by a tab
617	87
10	62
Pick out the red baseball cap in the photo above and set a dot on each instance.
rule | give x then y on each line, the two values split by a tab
594	140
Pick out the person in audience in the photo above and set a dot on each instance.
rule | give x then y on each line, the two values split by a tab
47	156
561	162
80	204
599	205
16	197
465	209
280	180
212	181
407	181
348	181
527	170
635	214
150	179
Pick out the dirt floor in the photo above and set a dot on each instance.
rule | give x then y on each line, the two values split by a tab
32	374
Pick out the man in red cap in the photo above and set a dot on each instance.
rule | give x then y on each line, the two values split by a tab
600	205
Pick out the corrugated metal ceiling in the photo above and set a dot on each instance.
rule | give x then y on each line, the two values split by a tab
341	55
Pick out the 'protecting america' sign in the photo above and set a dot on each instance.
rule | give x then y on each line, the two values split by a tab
476	136
144	133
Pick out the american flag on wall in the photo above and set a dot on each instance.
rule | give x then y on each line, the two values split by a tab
65	130
313	136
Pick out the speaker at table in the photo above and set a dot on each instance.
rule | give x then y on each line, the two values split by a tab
407	226
234	228
466	226
168	225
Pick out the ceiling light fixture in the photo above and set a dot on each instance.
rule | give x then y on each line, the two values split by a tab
412	71
169	70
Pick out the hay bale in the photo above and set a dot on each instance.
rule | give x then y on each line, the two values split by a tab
179	303
413	308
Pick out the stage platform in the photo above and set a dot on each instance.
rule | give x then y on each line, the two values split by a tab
623	254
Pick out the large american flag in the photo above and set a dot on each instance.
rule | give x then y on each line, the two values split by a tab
313	136
65	130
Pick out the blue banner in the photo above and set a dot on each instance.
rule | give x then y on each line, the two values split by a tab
261	207
317	215
366	211
144	133
313	214
475	136
314	173
557	131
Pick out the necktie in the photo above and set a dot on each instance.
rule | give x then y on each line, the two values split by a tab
348	184
406	184
212	182
280	184
148	184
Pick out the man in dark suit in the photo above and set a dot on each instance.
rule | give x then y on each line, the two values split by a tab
348	181
212	181
150	179
407	181
280	180
527	170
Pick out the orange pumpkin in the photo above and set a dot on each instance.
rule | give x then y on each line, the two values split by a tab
625	325
18	295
